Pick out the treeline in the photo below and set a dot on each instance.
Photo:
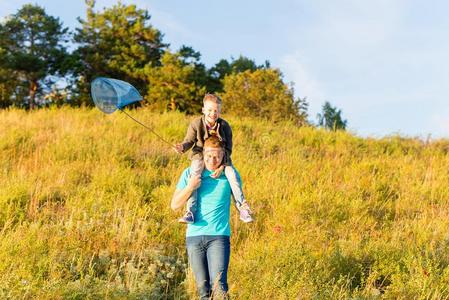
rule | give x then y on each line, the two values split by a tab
42	63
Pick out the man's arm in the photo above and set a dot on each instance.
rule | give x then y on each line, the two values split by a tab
182	195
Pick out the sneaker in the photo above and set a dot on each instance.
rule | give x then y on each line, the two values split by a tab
187	218
245	213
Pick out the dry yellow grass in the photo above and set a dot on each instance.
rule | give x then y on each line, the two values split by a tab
84	211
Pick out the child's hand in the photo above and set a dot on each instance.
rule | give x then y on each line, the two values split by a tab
217	172
178	148
194	182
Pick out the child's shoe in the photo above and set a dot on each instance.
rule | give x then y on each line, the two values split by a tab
245	213
187	218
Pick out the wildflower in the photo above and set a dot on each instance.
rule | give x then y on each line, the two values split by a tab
152	268
375	292
277	229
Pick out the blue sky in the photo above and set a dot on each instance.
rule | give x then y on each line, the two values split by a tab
384	63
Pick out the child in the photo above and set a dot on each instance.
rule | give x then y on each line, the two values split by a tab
199	130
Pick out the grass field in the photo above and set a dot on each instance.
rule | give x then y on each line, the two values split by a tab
84	211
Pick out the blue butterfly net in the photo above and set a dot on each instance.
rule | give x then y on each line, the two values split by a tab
111	94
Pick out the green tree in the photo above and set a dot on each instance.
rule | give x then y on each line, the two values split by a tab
8	89
171	86
243	64
217	73
190	57
262	93
33	47
330	118
117	42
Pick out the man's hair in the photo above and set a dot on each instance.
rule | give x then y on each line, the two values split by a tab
212	97
213	142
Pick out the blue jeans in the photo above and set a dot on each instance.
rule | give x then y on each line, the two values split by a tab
209	260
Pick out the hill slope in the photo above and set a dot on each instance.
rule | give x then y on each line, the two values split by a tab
84	211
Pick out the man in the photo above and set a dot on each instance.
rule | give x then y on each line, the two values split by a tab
207	240
200	129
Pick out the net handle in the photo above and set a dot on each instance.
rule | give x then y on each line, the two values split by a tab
150	129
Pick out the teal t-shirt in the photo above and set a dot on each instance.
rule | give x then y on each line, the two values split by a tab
213	204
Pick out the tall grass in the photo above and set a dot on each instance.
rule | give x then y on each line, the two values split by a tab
84	211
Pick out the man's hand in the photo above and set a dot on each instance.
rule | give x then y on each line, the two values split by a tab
181	196
217	172
178	148
194	182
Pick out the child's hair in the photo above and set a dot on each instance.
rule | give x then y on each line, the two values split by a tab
213	142
213	98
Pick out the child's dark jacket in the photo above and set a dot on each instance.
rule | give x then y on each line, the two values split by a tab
197	133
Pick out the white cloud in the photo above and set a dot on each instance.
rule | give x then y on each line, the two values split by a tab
294	68
6	9
162	20
361	23
365	59
4	5
168	23
349	34
440	121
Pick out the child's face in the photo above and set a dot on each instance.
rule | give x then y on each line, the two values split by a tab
211	111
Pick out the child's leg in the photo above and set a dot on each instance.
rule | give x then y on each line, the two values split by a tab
196	168
240	202
236	188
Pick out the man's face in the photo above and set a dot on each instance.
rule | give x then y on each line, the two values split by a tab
211	111
213	158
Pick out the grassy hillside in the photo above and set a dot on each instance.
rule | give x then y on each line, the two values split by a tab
84	211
